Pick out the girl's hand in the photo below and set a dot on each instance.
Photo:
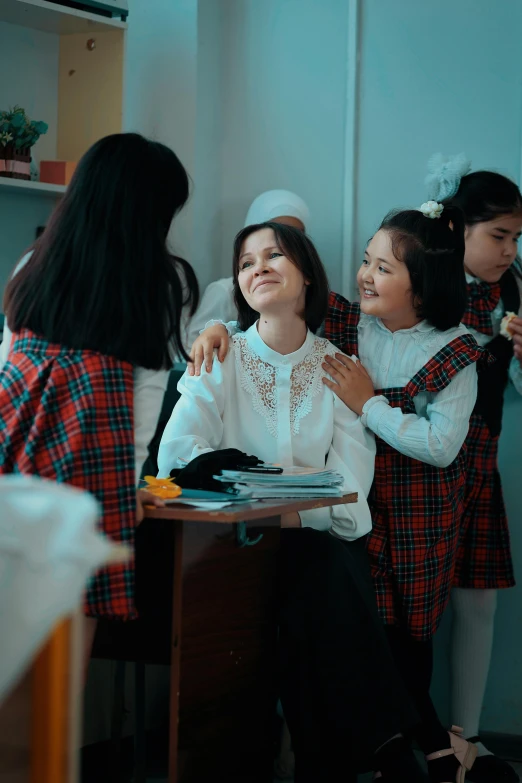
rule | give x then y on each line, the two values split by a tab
515	327
203	349
291	520
351	383
144	498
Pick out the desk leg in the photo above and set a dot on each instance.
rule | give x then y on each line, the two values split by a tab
50	724
175	652
228	697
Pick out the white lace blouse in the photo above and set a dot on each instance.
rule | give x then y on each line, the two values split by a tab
278	408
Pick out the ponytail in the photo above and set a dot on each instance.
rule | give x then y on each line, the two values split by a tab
432	248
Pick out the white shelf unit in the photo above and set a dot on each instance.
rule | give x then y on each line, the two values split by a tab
55	18
31	188
64	67
76	60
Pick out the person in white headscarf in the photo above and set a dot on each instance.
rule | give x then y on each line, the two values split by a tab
217	303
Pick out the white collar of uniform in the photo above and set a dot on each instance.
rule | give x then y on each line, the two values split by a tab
422	326
272	357
472	279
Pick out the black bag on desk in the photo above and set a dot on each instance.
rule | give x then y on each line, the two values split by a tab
199	473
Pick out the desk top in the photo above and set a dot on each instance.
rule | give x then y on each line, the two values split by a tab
241	512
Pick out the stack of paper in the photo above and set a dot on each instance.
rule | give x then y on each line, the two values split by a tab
293	482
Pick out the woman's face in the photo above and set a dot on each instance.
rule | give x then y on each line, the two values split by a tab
269	281
491	247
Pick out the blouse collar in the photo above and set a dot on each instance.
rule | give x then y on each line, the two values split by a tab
270	356
421	328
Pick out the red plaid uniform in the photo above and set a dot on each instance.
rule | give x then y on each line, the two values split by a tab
484	555
484	558
416	508
67	415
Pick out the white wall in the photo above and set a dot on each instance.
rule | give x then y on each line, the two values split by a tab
251	96
284	105
173	93
435	77
208	163
160	85
447	77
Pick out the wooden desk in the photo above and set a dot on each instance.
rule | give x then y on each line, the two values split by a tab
40	718
224	633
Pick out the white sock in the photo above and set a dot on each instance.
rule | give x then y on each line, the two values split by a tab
471	646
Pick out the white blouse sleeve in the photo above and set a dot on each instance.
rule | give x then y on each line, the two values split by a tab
5	346
515	368
149	390
436	439
217	303
515	374
7	335
352	454
196	423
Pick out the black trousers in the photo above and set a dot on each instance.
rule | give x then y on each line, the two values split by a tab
341	692
414	660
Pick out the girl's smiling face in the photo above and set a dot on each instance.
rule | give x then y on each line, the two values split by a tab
385	285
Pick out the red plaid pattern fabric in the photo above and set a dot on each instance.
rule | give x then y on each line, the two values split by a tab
484	555
482	299
416	508
67	415
340	326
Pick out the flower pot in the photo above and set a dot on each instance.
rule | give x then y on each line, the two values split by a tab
15	164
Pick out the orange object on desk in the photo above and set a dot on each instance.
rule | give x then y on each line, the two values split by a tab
57	172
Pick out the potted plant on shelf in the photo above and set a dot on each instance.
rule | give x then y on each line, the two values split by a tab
17	135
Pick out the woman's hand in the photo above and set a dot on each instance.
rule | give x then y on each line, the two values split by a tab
515	327
351	383
144	498
291	520
203	349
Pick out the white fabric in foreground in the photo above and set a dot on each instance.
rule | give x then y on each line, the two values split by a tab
49	547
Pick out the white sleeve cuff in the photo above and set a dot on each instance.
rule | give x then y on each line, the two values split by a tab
372	411
231	326
316	518
515	373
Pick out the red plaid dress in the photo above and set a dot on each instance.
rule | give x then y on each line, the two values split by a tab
416	507
484	557
67	415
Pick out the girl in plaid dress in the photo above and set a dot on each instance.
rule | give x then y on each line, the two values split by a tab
93	317
492	206
417	397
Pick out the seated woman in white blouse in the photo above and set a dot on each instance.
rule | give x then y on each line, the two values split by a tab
267	398
340	692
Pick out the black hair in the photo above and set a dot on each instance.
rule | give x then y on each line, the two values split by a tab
433	251
100	277
487	195
300	250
